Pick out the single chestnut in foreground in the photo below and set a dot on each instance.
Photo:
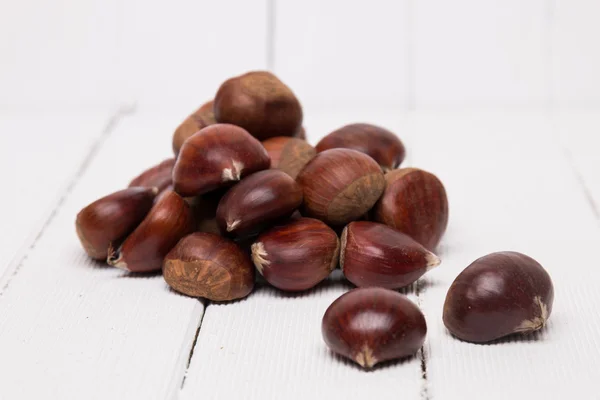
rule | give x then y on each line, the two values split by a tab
414	202
144	249
160	176
371	325
296	256
257	201
498	295
215	157
382	145
260	103
111	218
209	266
374	254
199	119
289	154
340	185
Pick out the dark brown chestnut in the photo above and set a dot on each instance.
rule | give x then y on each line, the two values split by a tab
289	154
145	248
215	157
374	254
498	295
209	266
260	103
257	201
414	202
340	185
382	145
298	255
160	176
371	325
111	218
199	119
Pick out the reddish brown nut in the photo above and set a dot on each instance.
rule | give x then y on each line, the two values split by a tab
260	103
144	249
296	256
382	145
111	218
371	325
374	254
340	185
160	176
209	266
216	157
498	295
288	154
257	201
414	202
199	119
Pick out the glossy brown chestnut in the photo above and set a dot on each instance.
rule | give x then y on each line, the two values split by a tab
374	254
340	185
382	145
257	201
160	176
260	103
371	325
288	154
209	266
298	255
414	202
111	218
498	295
145	248
216	157
199	119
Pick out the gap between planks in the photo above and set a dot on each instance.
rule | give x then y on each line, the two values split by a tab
191	355
423	354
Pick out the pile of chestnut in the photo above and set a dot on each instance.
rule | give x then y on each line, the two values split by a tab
245	192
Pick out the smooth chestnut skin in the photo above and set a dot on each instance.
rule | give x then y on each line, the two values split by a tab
340	185
260	103
111	218
257	201
414	202
374	254
199	119
159	176
216	157
298	255
209	266
498	295
382	145
145	248
371	325
289	155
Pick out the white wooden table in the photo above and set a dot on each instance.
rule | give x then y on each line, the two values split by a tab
73	329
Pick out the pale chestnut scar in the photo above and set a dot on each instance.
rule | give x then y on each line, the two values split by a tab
365	357
231	225
234	173
259	256
530	325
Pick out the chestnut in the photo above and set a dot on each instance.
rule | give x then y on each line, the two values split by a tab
215	157
169	220
382	145
371	325
159	176
257	201
298	255
414	202
201	118
260	103
289	154
498	295
111	218
374	254
209	266
340	185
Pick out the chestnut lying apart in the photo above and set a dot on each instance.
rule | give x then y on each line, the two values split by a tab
370	325
498	295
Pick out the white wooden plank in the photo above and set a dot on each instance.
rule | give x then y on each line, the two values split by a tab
474	53
511	188
71	328
343	55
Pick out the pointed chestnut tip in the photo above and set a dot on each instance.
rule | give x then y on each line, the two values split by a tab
432	261
259	256
115	259
232	225
365	357
234	173
155	190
